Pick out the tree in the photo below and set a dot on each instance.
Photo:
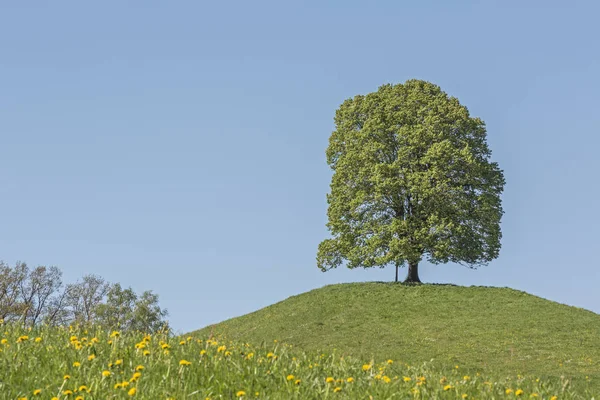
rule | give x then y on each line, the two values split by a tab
124	310
412	179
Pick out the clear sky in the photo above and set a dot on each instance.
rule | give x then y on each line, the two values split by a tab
180	146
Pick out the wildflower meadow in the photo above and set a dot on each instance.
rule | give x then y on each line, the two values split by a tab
69	363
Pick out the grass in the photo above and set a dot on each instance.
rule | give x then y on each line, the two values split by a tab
77	364
498	332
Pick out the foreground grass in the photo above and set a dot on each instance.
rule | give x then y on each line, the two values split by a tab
498	331
60	363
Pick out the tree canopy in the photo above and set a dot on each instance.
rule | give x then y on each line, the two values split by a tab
412	179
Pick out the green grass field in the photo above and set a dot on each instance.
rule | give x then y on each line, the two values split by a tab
350	341
496	331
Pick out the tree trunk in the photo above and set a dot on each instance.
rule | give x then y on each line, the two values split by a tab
413	273
396	273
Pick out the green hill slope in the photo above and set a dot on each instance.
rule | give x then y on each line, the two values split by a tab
498	331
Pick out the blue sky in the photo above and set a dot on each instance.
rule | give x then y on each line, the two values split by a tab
179	146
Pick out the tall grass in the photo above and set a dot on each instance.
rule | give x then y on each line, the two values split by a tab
76	363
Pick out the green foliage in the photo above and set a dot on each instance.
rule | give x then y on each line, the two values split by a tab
412	177
497	331
56	362
124	310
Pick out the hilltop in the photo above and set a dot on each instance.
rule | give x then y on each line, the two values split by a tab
498	331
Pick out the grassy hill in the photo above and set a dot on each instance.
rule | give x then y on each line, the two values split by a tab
497	331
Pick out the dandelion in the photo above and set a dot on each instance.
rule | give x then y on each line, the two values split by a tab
508	391
518	392
77	364
290	377
296	382
554	398
37	392
4	341
270	355
146	352
136	376
448	387
466	377
38	339
350	380
406	378
67	392
119	362
337	389
534	395
55	398
329	379
79	398
105	373
115	334
366	367
67	377
390	362
91	357
132	391
203	352
464	395
139	368
240	393
22	339
83	388
386	379
184	362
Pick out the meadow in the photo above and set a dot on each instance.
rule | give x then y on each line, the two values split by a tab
70	363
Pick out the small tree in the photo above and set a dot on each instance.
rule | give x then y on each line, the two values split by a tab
412	178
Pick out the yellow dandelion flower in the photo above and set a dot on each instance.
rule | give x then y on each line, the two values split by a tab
115	334
508	391
67	377
119	362
554	398
386	379
83	388
55	398
290	377
366	367
203	352
350	380
118	385
406	378
337	389
329	379
270	355
38	339
518	392
67	392
79	398
91	357
106	373
136	376
132	391
297	381
448	387
4	341
146	352
182	342
466	377
139	368
464	395
37	392
240	393
184	362
77	364
534	395
390	361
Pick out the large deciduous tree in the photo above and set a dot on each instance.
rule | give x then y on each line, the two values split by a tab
412	179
